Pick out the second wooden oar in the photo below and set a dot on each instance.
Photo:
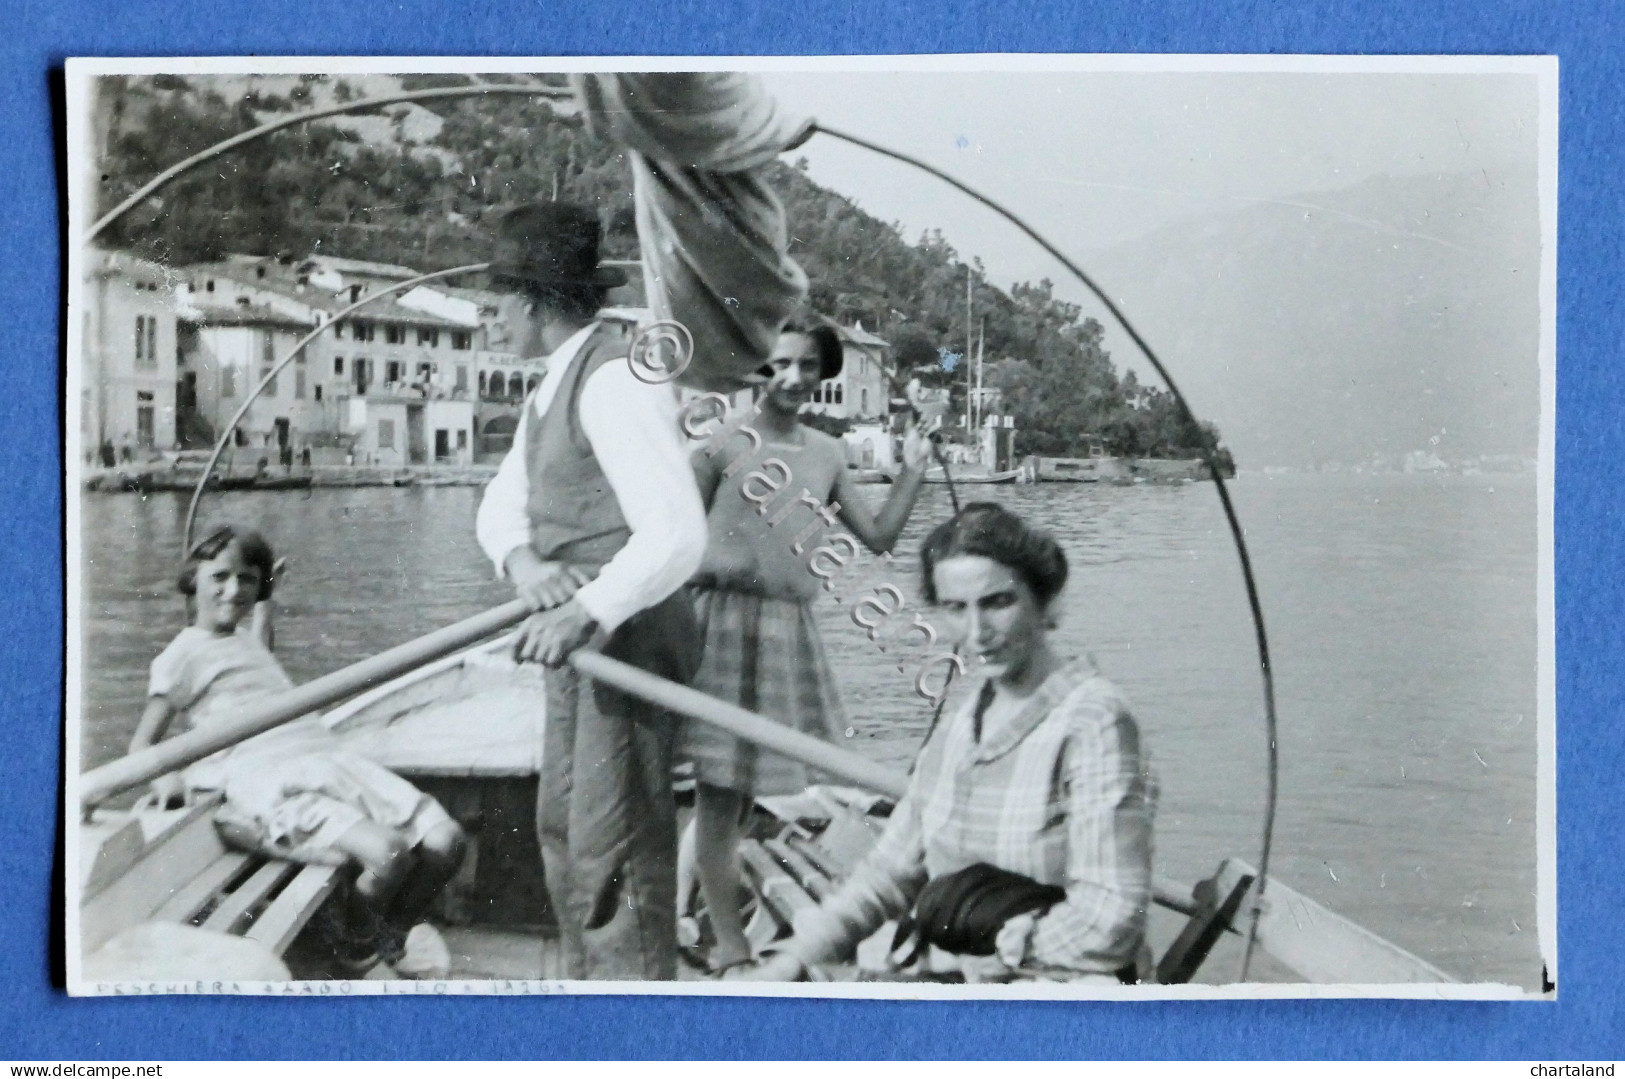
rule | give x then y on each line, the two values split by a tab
742	723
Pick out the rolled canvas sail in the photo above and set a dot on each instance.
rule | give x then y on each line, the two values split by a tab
713	234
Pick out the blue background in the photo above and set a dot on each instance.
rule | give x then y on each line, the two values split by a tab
38	1021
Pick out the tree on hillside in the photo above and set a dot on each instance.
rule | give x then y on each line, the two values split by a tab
323	186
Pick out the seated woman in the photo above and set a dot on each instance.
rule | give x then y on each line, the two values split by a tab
293	792
1023	844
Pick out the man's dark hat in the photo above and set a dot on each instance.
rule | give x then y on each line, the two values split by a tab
551	245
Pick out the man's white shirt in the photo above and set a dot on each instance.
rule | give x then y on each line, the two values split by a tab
632	428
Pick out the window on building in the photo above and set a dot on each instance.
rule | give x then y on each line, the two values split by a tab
144	425
228	382
863	401
355	293
363	374
338	365
208	286
516	385
392	371
462	438
338	331
394	333
425	372
141	340
270	385
241	436
361	331
530	384
386	434
482	383
318	391
460	385
461	341
268	346
299	383
838	394
428	336
818	394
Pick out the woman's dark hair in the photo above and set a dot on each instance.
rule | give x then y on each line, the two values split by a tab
256	552
831	356
991	531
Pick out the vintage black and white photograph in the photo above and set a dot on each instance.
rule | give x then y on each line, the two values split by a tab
913	527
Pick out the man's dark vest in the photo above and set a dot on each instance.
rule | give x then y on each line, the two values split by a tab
573	512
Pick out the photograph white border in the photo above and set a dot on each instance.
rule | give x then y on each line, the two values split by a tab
81	71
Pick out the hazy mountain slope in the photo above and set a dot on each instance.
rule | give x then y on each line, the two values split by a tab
1340	324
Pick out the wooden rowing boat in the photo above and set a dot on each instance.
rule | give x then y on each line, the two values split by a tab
467	729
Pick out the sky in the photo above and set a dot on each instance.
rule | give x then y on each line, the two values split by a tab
1095	159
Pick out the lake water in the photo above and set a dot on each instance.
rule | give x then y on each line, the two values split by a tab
1401	611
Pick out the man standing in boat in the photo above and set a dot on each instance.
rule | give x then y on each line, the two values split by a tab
595	517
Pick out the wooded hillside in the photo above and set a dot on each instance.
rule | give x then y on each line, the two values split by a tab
418	185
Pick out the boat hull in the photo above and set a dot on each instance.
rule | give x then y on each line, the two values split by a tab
468	730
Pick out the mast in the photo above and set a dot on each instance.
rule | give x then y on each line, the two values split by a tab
981	348
969	396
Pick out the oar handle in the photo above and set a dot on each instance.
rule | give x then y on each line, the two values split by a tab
99	784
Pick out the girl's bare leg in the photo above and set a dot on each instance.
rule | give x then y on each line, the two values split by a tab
717	813
437	859
384	857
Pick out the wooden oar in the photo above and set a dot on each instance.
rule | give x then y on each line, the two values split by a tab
742	723
99	784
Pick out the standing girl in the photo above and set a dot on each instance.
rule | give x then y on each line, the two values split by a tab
753	598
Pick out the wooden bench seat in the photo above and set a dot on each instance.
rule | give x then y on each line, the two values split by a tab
172	866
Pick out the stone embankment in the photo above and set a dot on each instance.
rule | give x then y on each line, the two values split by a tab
161	477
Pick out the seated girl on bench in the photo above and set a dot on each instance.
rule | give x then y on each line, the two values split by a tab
293	792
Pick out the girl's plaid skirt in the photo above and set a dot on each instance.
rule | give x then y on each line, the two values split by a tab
762	653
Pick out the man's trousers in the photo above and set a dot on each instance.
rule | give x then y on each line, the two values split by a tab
605	815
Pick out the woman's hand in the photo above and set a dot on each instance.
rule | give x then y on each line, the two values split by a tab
917	444
781	967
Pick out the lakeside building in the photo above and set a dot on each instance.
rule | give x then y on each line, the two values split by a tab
390	385
860	391
127	402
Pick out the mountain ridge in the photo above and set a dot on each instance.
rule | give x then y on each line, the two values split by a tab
1398	314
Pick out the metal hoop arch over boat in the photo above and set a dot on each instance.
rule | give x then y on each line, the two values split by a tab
231	428
1237	535
560	93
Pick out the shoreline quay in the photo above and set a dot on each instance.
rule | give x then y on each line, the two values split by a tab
161	477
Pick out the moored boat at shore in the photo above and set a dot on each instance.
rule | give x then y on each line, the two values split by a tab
955	476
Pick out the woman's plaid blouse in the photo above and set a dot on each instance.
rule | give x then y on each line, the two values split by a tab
1062	792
